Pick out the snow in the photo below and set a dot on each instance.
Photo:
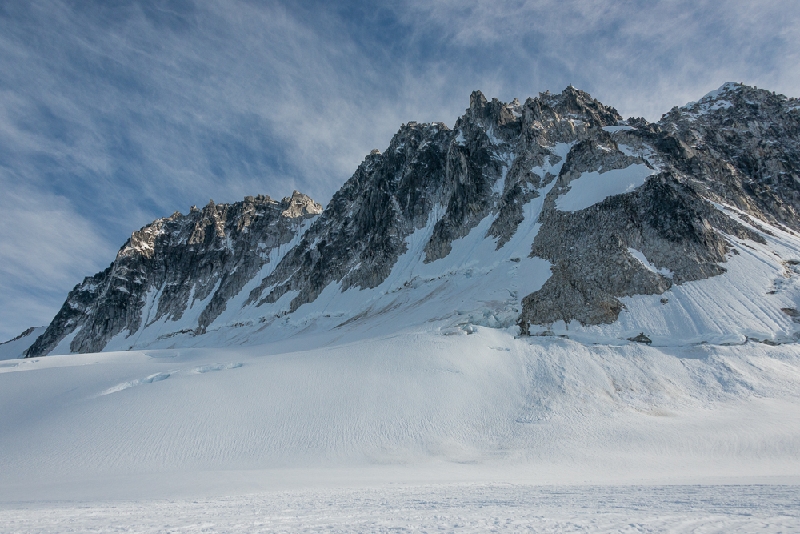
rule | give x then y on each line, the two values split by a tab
711	101
166	332
554	162
413	430
649	266
412	406
593	187
725	87
490	133
446	507
478	284
549	410
720	104
645	152
474	284
499	186
63	345
615	129
157	377
13	349
712	95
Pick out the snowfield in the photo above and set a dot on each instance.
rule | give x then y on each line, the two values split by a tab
449	508
413	406
425	412
419	430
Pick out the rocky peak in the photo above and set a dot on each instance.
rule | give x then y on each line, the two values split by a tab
477	104
742	143
492	113
573	101
142	242
299	205
733	101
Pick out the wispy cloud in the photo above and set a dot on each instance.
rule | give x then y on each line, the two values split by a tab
638	55
112	114
47	247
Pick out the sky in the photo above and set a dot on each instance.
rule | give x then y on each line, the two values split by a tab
114	112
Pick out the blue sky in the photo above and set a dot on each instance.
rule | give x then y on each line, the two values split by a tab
113	113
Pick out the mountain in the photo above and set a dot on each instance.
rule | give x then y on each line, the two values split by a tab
550	217
167	267
13	348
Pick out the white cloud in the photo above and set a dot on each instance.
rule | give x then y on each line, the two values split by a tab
46	249
642	57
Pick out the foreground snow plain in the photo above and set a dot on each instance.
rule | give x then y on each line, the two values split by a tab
438	508
416	430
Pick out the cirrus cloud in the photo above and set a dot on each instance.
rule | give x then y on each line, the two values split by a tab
113	114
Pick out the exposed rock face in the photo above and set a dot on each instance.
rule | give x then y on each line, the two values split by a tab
458	177
742	144
207	255
362	232
738	145
622	208
676	230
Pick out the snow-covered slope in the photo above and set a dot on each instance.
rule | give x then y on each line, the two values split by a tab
14	348
415	406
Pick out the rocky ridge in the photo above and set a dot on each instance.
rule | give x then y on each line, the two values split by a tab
617	208
205	256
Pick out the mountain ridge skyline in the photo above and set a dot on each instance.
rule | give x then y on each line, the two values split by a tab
498	159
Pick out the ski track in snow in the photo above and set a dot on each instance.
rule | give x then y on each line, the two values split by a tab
449	508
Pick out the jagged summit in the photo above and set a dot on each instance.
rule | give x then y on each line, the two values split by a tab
553	216
710	98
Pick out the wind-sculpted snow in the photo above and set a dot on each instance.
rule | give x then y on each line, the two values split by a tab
157	377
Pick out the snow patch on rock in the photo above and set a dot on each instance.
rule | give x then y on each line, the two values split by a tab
593	187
